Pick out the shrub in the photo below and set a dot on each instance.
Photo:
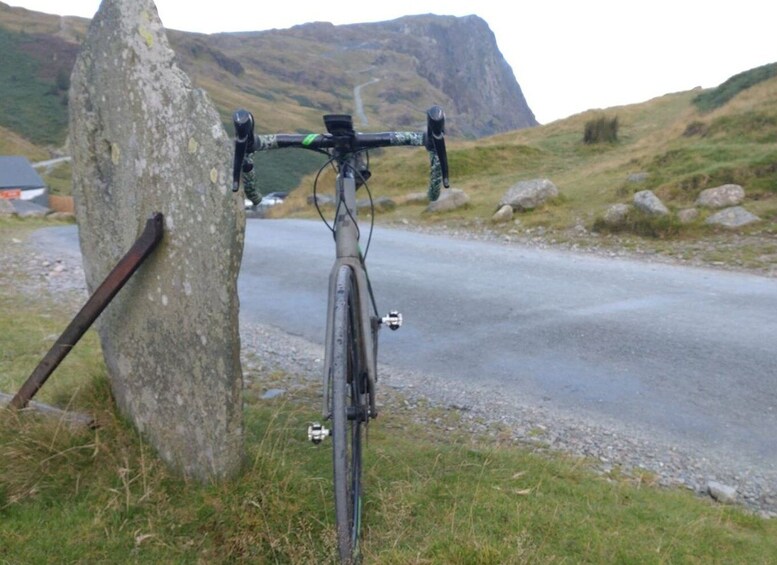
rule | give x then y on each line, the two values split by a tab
696	128
601	130
717	97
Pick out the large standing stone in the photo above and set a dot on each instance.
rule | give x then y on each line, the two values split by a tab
144	140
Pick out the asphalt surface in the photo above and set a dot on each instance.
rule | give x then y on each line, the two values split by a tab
683	354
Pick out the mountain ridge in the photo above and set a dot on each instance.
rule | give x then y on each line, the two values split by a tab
290	77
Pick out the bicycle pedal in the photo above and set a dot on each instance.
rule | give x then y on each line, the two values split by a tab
318	433
393	320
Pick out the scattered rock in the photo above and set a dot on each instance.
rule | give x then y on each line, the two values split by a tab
273	393
687	215
616	214
504	214
638	177
450	199
721	196
382	204
270	352
722	493
649	203
460	407
731	218
529	194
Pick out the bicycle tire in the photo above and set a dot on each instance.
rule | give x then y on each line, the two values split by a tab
349	414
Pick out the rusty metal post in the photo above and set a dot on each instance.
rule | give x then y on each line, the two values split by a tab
113	283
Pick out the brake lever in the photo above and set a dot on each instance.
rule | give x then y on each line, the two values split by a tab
244	144
435	131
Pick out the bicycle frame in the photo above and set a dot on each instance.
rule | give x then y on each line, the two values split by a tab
348	253
352	318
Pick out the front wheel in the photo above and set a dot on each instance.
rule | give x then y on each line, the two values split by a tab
349	416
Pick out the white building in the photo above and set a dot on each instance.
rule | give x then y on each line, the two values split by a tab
19	181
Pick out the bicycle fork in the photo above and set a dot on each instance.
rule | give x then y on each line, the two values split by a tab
318	432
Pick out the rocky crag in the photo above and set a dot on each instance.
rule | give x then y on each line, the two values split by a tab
410	62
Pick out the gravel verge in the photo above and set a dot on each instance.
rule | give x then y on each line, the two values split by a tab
478	411
716	251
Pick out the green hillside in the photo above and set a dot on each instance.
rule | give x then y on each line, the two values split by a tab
680	150
34	87
681	143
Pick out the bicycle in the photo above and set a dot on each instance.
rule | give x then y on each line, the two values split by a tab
351	344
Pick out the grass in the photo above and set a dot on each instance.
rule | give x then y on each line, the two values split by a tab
59	179
32	105
681	149
435	494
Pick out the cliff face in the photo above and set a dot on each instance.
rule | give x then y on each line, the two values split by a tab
412	62
460	56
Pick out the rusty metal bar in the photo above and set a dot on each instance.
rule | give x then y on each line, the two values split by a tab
113	283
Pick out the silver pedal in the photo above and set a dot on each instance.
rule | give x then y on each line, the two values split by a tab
393	320
318	433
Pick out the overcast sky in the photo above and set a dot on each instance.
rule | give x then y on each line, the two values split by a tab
568	55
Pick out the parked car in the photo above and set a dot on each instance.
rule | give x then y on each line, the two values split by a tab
273	198
269	199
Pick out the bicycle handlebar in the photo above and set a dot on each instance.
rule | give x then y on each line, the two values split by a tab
246	143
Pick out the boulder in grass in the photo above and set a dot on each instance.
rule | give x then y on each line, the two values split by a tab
529	194
450	199
616	215
723	196
504	214
649	203
732	218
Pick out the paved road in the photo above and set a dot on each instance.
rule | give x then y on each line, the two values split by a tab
683	354
357	97
51	162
